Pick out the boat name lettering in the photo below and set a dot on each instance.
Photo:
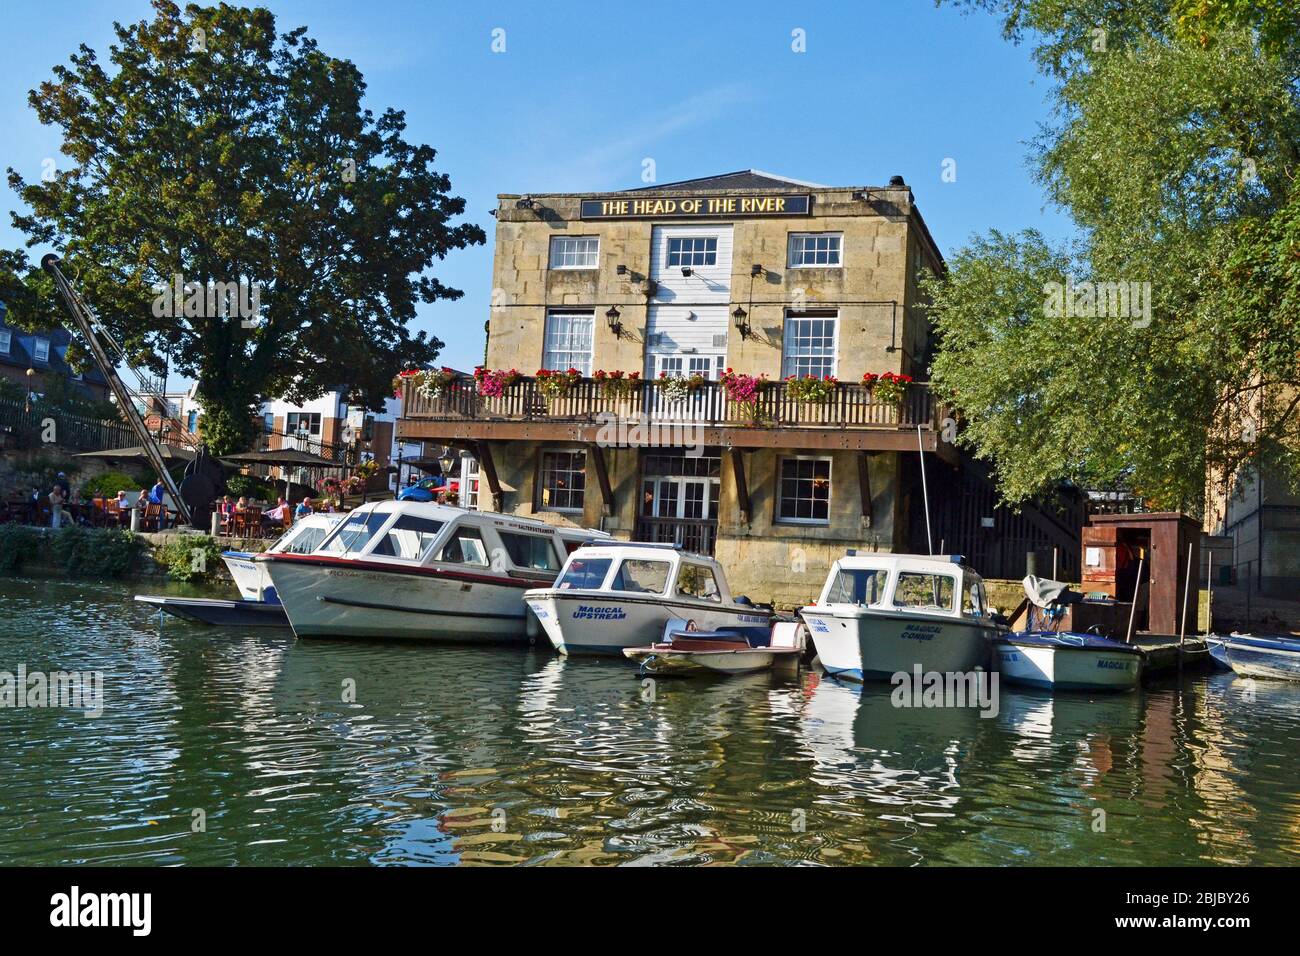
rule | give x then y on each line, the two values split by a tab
920	632
595	613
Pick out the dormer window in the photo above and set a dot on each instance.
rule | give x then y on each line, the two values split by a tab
6	340
41	351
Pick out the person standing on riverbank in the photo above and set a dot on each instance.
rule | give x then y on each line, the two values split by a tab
56	506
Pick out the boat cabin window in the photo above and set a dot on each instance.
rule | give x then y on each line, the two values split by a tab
355	533
409	538
465	547
858	586
697	581
530	551
974	601
923	590
642	577
587	573
302	538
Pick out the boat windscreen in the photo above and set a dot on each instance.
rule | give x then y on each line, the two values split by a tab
409	538
301	539
587	573
858	586
353	535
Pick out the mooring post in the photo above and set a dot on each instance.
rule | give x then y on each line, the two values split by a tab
1132	611
216	523
135	520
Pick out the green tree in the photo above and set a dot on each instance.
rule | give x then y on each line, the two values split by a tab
221	151
1176	159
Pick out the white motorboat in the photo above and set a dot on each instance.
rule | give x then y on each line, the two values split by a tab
1275	656
420	571
612	596
686	651
303	537
884	614
1044	656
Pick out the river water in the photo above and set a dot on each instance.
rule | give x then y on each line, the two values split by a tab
220	746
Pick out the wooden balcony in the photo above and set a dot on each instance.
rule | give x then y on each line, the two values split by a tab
849	418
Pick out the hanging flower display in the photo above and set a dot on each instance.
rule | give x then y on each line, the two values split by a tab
810	388
678	388
430	383
617	384
493	383
888	388
742	389
555	383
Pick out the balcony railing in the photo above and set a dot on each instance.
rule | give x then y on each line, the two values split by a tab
847	406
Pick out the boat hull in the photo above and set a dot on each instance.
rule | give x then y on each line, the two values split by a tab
1091	666
218	612
867	645
250	576
669	660
1275	658
356	599
604	623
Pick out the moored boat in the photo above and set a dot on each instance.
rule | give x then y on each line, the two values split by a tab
685	651
420	571
1274	656
303	537
884	614
1042	656
612	596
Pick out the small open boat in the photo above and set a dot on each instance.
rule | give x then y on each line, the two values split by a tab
219	612
1258	655
1041	656
686	651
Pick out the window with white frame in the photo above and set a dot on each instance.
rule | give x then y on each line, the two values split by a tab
693	251
804	490
6	340
469	479
815	250
42	350
563	480
567	341
809	347
575	252
302	421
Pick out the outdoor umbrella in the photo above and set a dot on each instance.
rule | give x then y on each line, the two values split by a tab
284	457
175	453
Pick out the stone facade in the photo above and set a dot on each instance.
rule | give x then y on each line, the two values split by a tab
880	328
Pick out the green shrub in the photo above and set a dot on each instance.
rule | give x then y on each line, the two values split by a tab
110	483
96	552
189	557
17	542
250	486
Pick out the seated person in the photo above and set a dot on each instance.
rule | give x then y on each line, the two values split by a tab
304	508
275	516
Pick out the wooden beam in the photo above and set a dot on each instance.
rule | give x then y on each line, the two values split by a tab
488	466
742	486
602	476
864	486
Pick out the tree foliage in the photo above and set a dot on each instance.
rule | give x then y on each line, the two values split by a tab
1176	154
217	149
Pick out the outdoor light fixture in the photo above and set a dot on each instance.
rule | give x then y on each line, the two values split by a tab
446	460
621	269
742	322
525	202
612	317
686	271
756	270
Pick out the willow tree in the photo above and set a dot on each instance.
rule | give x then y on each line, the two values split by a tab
1174	149
213	155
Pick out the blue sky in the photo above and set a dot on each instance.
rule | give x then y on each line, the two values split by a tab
584	92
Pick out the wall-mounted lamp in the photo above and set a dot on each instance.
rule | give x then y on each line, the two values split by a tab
742	322
686	271
525	202
612	317
621	269
757	270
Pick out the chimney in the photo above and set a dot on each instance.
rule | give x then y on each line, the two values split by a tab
896	182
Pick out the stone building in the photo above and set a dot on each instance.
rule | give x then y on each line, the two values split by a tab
747	271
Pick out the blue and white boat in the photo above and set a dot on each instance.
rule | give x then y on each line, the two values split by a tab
884	614
1042	656
1258	655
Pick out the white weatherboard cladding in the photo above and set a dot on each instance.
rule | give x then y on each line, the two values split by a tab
688	315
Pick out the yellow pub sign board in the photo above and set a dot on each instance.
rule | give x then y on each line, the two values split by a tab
670	207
